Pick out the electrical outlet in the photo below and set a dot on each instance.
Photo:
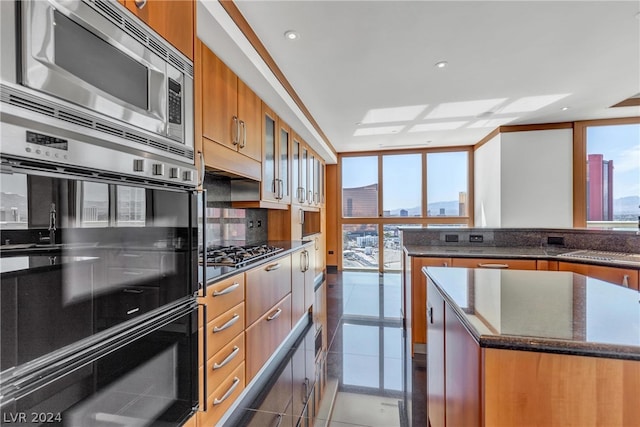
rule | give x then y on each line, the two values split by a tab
555	240
476	238
250	224
450	237
259	223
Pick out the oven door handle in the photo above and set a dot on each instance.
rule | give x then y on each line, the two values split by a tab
227	325
204	238
204	353
236	381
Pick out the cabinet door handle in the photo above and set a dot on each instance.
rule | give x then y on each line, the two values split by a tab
202	166
303	262
281	189
236	135
625	281
481	265
236	381
140	3
226	290
273	267
133	291
445	264
301	214
230	323
306	267
310	198
227	359
430	314
278	420
243	127
135	310
275	315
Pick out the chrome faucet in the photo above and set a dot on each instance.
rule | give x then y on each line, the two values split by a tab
52	224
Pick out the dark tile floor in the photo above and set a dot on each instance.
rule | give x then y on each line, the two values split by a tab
377	382
371	379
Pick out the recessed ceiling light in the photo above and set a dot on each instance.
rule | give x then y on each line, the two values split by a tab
291	35
441	64
564	108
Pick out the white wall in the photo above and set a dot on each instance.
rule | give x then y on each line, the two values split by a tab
534	171
487	189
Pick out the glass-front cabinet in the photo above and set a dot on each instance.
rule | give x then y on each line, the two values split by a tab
275	163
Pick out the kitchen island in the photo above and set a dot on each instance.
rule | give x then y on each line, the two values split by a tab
531	348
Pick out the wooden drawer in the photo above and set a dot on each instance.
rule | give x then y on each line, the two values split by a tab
266	334
265	286
516	264
223	295
223	397
223	363
223	329
620	276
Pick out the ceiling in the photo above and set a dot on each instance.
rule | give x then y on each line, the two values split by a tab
366	70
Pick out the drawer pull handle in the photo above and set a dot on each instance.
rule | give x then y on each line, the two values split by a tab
132	273
275	315
228	359
273	267
236	381
625	281
226	290
279	418
133	311
133	291
230	323
493	265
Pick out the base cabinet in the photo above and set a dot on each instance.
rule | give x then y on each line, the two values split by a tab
473	386
620	276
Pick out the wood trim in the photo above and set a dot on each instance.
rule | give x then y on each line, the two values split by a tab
487	138
539	126
580	166
236	16
579	175
629	102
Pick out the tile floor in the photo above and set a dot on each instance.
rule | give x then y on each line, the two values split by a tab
370	379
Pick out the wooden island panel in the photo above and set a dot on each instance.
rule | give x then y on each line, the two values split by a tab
528	389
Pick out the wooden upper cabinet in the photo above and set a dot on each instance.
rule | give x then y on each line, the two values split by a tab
219	101
250	115
229	114
173	20
276	162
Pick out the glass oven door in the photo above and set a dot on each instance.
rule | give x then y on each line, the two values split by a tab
80	257
146	378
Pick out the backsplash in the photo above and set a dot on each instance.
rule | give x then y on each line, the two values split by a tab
226	224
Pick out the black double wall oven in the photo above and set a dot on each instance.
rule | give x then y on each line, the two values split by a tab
98	314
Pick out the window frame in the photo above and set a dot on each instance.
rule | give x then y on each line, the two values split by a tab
423	220
580	165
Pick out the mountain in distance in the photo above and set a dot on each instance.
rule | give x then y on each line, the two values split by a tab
627	205
622	206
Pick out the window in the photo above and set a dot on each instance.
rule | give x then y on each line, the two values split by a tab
13	202
131	206
447	184
613	176
360	246
360	187
401	184
383	192
606	184
95	205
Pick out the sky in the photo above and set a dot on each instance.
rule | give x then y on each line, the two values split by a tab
625	154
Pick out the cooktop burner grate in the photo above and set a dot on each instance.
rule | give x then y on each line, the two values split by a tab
238	256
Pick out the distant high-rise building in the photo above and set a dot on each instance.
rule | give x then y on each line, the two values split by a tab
462	203
404	212
599	188
360	201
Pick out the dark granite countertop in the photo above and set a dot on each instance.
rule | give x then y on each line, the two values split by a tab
611	259
543	311
215	274
37	262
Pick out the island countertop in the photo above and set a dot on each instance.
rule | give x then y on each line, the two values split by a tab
543	311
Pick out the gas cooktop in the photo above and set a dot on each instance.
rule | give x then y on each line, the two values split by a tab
238	256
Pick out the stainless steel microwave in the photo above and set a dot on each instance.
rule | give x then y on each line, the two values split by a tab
91	64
